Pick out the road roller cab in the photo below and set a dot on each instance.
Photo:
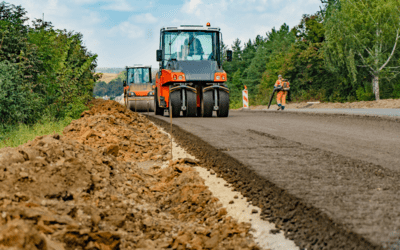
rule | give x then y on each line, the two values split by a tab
138	88
191	78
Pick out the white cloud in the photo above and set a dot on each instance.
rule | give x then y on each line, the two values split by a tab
126	29
191	7
82	2
93	18
146	18
118	5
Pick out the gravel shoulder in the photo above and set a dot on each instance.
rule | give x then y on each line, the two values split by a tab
266	235
329	182
381	104
393	113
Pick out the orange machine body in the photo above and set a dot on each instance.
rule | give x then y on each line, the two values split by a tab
168	77
190	80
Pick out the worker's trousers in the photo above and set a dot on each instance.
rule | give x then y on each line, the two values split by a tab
281	97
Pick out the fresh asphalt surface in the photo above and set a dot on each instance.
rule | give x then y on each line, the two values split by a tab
346	166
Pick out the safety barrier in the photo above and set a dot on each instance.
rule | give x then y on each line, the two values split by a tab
245	94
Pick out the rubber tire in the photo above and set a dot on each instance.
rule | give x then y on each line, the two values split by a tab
157	109
207	104
191	104
223	104
175	103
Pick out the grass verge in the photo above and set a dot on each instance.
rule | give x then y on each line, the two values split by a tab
13	136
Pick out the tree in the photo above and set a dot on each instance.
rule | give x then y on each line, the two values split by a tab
19	63
52	64
310	29
364	34
17	102
232	67
14	45
266	65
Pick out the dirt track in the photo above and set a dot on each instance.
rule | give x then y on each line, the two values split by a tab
329	181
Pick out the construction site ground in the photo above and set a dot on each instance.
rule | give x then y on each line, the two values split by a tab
109	183
381	104
327	181
254	180
387	107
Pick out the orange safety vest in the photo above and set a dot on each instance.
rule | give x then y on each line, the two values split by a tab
284	85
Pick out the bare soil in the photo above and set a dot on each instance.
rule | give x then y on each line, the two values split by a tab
108	77
88	189
384	104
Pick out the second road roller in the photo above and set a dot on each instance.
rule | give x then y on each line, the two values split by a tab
138	89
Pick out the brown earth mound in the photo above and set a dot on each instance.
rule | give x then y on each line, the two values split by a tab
85	191
111	128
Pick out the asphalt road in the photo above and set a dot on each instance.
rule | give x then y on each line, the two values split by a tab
348	167
370	112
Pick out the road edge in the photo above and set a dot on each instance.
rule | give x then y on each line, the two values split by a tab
310	113
292	218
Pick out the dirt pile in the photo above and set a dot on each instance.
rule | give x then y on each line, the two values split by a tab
85	190
111	128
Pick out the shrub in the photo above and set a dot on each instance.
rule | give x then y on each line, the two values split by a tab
364	94
17	102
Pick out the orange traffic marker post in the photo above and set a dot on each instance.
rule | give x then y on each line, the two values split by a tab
245	94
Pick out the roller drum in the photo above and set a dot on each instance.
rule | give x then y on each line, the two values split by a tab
141	105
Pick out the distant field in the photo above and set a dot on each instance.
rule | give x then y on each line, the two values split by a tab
108	77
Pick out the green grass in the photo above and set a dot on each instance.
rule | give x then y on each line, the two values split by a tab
13	136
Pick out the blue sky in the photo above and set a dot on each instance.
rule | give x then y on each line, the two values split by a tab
126	32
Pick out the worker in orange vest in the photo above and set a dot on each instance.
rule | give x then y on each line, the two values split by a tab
282	86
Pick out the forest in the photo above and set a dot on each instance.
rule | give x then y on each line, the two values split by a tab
348	51
45	73
112	89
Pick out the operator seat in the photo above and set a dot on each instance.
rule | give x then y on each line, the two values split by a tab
195	48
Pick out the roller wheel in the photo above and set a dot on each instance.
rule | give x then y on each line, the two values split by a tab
132	105
157	109
207	104
191	104
175	103
223	110
151	106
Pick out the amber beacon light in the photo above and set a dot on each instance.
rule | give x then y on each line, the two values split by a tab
208	24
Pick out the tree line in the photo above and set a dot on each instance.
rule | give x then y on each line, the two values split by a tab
347	51
112	89
43	71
